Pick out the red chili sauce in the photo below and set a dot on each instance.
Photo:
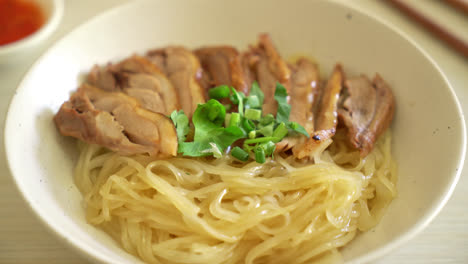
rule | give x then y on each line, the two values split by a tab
19	19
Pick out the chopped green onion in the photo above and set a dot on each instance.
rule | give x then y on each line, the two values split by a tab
253	114
269	147
267	131
265	120
253	102
238	99
247	147
260	155
252	134
261	140
227	120
293	125
214	131
256	91
248	125
281	131
239	154
219	92
235	119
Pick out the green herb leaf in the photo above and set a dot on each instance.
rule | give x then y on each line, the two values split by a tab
252	102
181	123
298	128
208	120
284	109
215	131
207	117
268	119
262	139
215	151
193	149
256	91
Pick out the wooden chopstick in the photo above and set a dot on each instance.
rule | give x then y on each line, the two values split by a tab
450	39
460	5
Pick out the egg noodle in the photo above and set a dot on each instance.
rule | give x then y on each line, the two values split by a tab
192	210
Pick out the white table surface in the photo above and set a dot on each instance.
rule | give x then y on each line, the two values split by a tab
24	240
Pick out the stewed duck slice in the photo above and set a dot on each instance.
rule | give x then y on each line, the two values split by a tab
325	116
184	71
116	121
133	75
367	111
222	66
265	65
304	91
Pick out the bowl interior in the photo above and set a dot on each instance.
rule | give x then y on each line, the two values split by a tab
428	129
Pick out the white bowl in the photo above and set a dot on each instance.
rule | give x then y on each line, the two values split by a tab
53	12
429	131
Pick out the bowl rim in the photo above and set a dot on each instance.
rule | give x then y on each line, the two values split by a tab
94	255
420	225
44	31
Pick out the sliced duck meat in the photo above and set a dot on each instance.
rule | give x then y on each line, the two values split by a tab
325	115
138	73
367	110
183	69
104	78
264	64
222	66
155	92
304	91
328	106
140	78
248	62
116	121
149	99
103	100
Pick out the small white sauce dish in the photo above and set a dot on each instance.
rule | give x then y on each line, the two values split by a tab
53	12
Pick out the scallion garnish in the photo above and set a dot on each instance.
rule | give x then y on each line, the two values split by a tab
252	134
235	119
267	131
269	147
280	131
262	139
248	125
267	119
260	155
240	154
215	130
253	114
219	92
